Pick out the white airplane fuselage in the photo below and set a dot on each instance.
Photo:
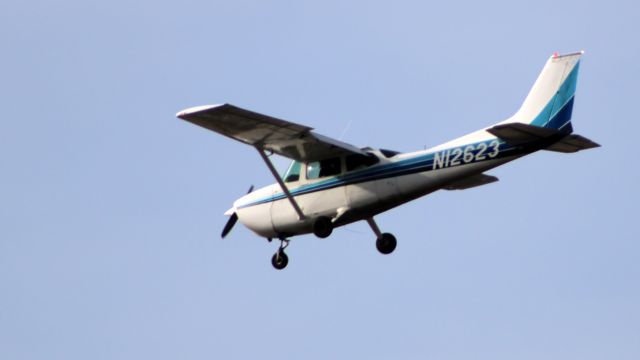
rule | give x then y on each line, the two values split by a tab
361	194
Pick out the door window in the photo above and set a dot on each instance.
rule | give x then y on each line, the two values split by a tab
323	168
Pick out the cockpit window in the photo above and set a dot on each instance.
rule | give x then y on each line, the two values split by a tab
322	168
358	161
293	173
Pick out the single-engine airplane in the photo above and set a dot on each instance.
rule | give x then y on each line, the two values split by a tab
330	183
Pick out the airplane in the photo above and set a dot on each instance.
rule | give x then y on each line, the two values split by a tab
331	183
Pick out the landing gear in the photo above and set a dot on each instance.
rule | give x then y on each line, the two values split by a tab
385	242
322	227
279	260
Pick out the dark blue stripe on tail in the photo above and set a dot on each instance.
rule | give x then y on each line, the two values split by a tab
562	119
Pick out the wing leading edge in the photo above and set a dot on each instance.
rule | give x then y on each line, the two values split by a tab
264	132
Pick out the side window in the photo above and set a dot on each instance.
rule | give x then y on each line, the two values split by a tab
293	173
357	161
322	168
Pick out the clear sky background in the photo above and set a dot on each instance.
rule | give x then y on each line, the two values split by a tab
111	208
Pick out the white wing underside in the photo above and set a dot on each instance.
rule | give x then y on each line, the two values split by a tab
282	137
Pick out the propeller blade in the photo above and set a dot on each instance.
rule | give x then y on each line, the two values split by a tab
232	221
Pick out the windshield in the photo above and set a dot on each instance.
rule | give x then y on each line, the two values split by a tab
293	173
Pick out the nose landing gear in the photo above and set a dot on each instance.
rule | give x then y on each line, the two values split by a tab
279	260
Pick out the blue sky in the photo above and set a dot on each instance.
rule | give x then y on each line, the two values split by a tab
112	208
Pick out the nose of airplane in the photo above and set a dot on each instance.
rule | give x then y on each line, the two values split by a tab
234	216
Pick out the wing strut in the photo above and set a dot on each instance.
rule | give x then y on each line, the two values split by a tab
280	182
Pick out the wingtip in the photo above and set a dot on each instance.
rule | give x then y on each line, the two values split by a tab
196	109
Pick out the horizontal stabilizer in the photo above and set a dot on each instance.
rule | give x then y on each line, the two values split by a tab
472	181
572	143
520	134
548	139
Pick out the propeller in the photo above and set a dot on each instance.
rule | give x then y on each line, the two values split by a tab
232	220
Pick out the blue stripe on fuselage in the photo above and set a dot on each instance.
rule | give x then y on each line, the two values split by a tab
419	163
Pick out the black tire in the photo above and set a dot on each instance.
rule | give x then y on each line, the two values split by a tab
322	227
386	243
279	260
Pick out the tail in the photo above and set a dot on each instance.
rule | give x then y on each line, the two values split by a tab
550	101
545	115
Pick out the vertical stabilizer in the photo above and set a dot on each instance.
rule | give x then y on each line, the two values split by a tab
550	101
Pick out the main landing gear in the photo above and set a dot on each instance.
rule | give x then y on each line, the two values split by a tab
279	260
385	242
322	227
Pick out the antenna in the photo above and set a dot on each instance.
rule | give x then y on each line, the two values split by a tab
346	128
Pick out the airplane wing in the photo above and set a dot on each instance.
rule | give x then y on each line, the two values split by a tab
473	181
282	137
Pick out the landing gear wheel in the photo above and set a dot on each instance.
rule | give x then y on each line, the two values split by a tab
279	260
322	227
386	243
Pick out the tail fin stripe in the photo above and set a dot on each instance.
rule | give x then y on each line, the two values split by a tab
562	117
560	105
